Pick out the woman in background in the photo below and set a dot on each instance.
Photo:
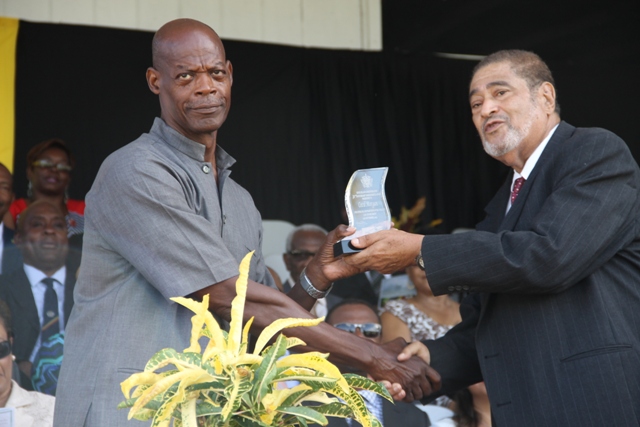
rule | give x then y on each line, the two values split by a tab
32	409
49	166
423	316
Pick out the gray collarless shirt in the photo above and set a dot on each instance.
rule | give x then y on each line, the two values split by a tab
157	226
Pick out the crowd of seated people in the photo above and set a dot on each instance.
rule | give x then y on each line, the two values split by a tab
39	261
418	317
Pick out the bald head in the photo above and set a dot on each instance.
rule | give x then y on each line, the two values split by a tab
192	78
177	31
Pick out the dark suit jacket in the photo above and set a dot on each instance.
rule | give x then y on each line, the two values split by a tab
11	258
555	332
400	414
15	289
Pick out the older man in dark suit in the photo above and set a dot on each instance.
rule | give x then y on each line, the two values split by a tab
554	269
40	294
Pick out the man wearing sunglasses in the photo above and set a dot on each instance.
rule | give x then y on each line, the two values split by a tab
360	318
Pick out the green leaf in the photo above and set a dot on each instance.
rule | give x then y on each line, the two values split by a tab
233	393
267	369
305	412
243	421
335	409
360	382
294	397
215	386
206	408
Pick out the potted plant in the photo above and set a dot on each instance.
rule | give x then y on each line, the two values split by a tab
224	385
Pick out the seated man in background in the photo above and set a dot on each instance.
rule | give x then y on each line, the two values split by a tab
303	242
40	295
361	319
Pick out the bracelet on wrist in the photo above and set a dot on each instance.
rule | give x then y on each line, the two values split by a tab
310	289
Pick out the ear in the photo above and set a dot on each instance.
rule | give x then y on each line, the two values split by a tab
153	78
548	93
230	68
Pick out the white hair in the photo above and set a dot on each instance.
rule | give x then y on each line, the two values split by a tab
303	227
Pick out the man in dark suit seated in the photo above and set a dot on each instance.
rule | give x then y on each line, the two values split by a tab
40	294
9	255
360	318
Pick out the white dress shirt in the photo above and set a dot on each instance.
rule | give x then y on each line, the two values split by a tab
38	289
531	162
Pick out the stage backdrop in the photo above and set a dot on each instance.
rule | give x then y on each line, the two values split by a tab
302	120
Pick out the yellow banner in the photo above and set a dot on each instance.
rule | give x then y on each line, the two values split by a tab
8	38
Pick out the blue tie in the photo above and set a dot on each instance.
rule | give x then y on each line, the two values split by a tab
46	365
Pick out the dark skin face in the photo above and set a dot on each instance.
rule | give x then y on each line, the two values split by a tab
354	313
6	190
42	237
50	181
192	78
303	241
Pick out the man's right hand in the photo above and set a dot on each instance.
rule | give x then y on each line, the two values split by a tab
416	377
324	268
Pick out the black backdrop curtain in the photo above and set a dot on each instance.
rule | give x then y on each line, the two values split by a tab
302	120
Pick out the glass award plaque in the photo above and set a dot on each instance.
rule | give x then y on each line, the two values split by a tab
366	205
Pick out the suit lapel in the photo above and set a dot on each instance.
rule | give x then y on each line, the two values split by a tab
494	211
24	297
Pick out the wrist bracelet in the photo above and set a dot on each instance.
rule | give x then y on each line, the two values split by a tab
310	289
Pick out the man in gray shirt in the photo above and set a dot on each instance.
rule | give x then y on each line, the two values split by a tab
164	219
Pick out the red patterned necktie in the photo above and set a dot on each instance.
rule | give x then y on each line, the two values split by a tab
517	185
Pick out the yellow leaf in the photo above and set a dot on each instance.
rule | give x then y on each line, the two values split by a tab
157	388
277	326
237	306
294	341
248	359
203	315
138	379
316	361
245	335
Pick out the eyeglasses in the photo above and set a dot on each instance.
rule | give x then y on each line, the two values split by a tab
46	164
5	349
300	255
369	330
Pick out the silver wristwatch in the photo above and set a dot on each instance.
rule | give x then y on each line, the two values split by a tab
310	289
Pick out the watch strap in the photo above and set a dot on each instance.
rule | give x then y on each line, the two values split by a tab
310	289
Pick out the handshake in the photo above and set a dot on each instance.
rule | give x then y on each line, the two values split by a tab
404	368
